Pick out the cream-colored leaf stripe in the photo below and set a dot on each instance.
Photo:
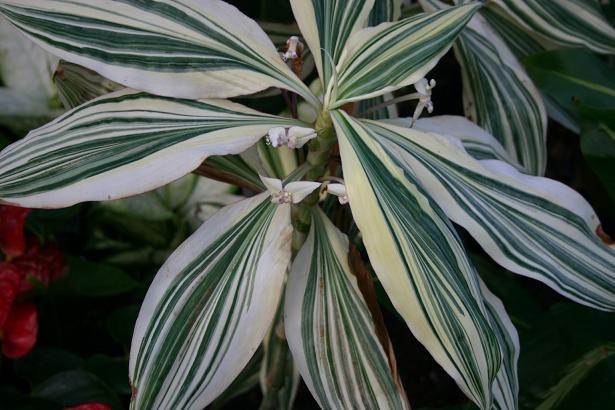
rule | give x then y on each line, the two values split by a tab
330	329
420	261
381	59
122	144
533	226
176	48
210	306
326	26
570	23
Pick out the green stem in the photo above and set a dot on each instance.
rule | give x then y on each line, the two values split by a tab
319	152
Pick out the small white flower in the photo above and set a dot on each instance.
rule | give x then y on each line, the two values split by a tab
294	48
339	190
277	136
293	137
293	192
424	89
298	136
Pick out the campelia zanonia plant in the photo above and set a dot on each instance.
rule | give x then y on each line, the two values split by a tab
216	297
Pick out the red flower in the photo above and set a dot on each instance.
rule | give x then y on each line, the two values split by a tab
20	330
12	220
9	284
89	406
44	266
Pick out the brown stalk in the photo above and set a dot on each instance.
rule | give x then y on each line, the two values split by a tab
366	286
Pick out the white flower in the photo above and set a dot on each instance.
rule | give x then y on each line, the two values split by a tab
293	192
424	90
294	48
277	136
339	190
293	137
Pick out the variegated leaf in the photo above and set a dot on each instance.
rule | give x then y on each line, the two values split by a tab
520	42
77	85
122	144
476	141
176	48
210	306
383	11
330	329
376	108
533	226
419	260
499	95
326	26
571	23
381	59
506	385
238	169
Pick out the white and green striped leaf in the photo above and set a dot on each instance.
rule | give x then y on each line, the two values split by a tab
176	48
381	59
383	11
377	108
571	23
77	85
498	94
476	141
330	330
506	385
122	144
238	169
521	42
210	306
326	26
419	260
533	226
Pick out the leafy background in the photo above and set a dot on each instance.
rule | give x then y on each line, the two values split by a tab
86	318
